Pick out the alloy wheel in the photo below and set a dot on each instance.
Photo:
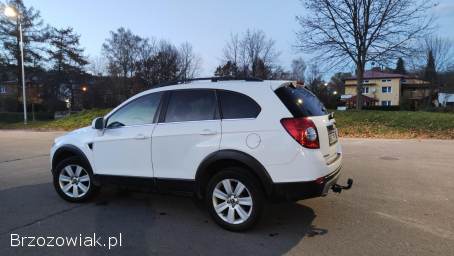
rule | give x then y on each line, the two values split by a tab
74	181
232	201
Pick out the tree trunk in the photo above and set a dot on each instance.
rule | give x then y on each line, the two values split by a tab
359	86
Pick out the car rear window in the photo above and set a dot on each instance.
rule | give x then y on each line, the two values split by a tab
300	101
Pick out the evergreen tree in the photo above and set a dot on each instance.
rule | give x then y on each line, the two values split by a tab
65	52
34	34
68	61
400	67
228	69
430	73
261	70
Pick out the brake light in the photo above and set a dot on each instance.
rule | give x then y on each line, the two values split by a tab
303	130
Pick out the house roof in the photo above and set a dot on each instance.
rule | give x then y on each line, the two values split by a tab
372	74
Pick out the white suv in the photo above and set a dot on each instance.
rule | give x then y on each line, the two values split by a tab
232	143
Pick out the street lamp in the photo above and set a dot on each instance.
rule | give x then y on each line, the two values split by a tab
12	13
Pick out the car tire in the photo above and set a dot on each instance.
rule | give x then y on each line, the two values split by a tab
73	180
234	199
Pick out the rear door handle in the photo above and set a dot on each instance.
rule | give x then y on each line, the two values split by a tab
140	137
208	132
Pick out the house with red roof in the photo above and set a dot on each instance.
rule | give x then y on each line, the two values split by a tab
387	89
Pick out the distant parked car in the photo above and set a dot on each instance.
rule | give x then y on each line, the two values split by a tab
232	143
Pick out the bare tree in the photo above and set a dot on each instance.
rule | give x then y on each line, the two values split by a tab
97	66
279	73
232	50
148	48
360	31
442	51
253	53
121	51
257	47
298	69
164	65
166	62
314	76
189	62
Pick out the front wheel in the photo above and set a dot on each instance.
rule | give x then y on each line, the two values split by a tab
234	199
73	180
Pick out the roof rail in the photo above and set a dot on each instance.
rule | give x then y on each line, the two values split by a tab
213	79
224	78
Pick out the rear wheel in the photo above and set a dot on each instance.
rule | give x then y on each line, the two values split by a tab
73	180
234	199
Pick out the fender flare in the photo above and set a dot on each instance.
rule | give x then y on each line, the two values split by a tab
228	154
73	150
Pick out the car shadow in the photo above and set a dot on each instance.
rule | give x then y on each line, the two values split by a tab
148	223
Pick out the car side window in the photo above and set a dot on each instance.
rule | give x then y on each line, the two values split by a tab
235	105
139	111
191	105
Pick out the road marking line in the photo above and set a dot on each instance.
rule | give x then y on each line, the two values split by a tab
19	159
413	223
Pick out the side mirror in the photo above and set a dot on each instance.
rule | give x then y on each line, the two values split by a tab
98	123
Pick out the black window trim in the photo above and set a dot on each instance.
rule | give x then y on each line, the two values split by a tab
129	102
166	100
240	118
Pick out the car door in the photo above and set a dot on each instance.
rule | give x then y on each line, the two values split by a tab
124	147
187	132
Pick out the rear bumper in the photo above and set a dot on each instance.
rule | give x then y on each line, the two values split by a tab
294	191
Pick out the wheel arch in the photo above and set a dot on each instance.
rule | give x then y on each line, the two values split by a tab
66	151
224	158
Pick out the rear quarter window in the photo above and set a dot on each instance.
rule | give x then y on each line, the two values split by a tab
300	101
235	105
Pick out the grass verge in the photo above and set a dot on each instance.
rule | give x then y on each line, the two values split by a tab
395	124
74	121
357	124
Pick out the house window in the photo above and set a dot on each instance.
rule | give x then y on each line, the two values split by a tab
366	81
365	89
386	103
386	89
2	89
386	80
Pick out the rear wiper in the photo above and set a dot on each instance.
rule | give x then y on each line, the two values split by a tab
331	116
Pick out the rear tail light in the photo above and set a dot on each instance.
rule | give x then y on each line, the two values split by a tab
303	130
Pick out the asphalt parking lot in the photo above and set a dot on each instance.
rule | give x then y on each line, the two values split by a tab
402	203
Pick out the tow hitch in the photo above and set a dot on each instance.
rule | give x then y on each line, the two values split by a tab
338	188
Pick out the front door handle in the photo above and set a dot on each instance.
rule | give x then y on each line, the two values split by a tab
140	137
208	132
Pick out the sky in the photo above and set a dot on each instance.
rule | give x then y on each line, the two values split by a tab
206	24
